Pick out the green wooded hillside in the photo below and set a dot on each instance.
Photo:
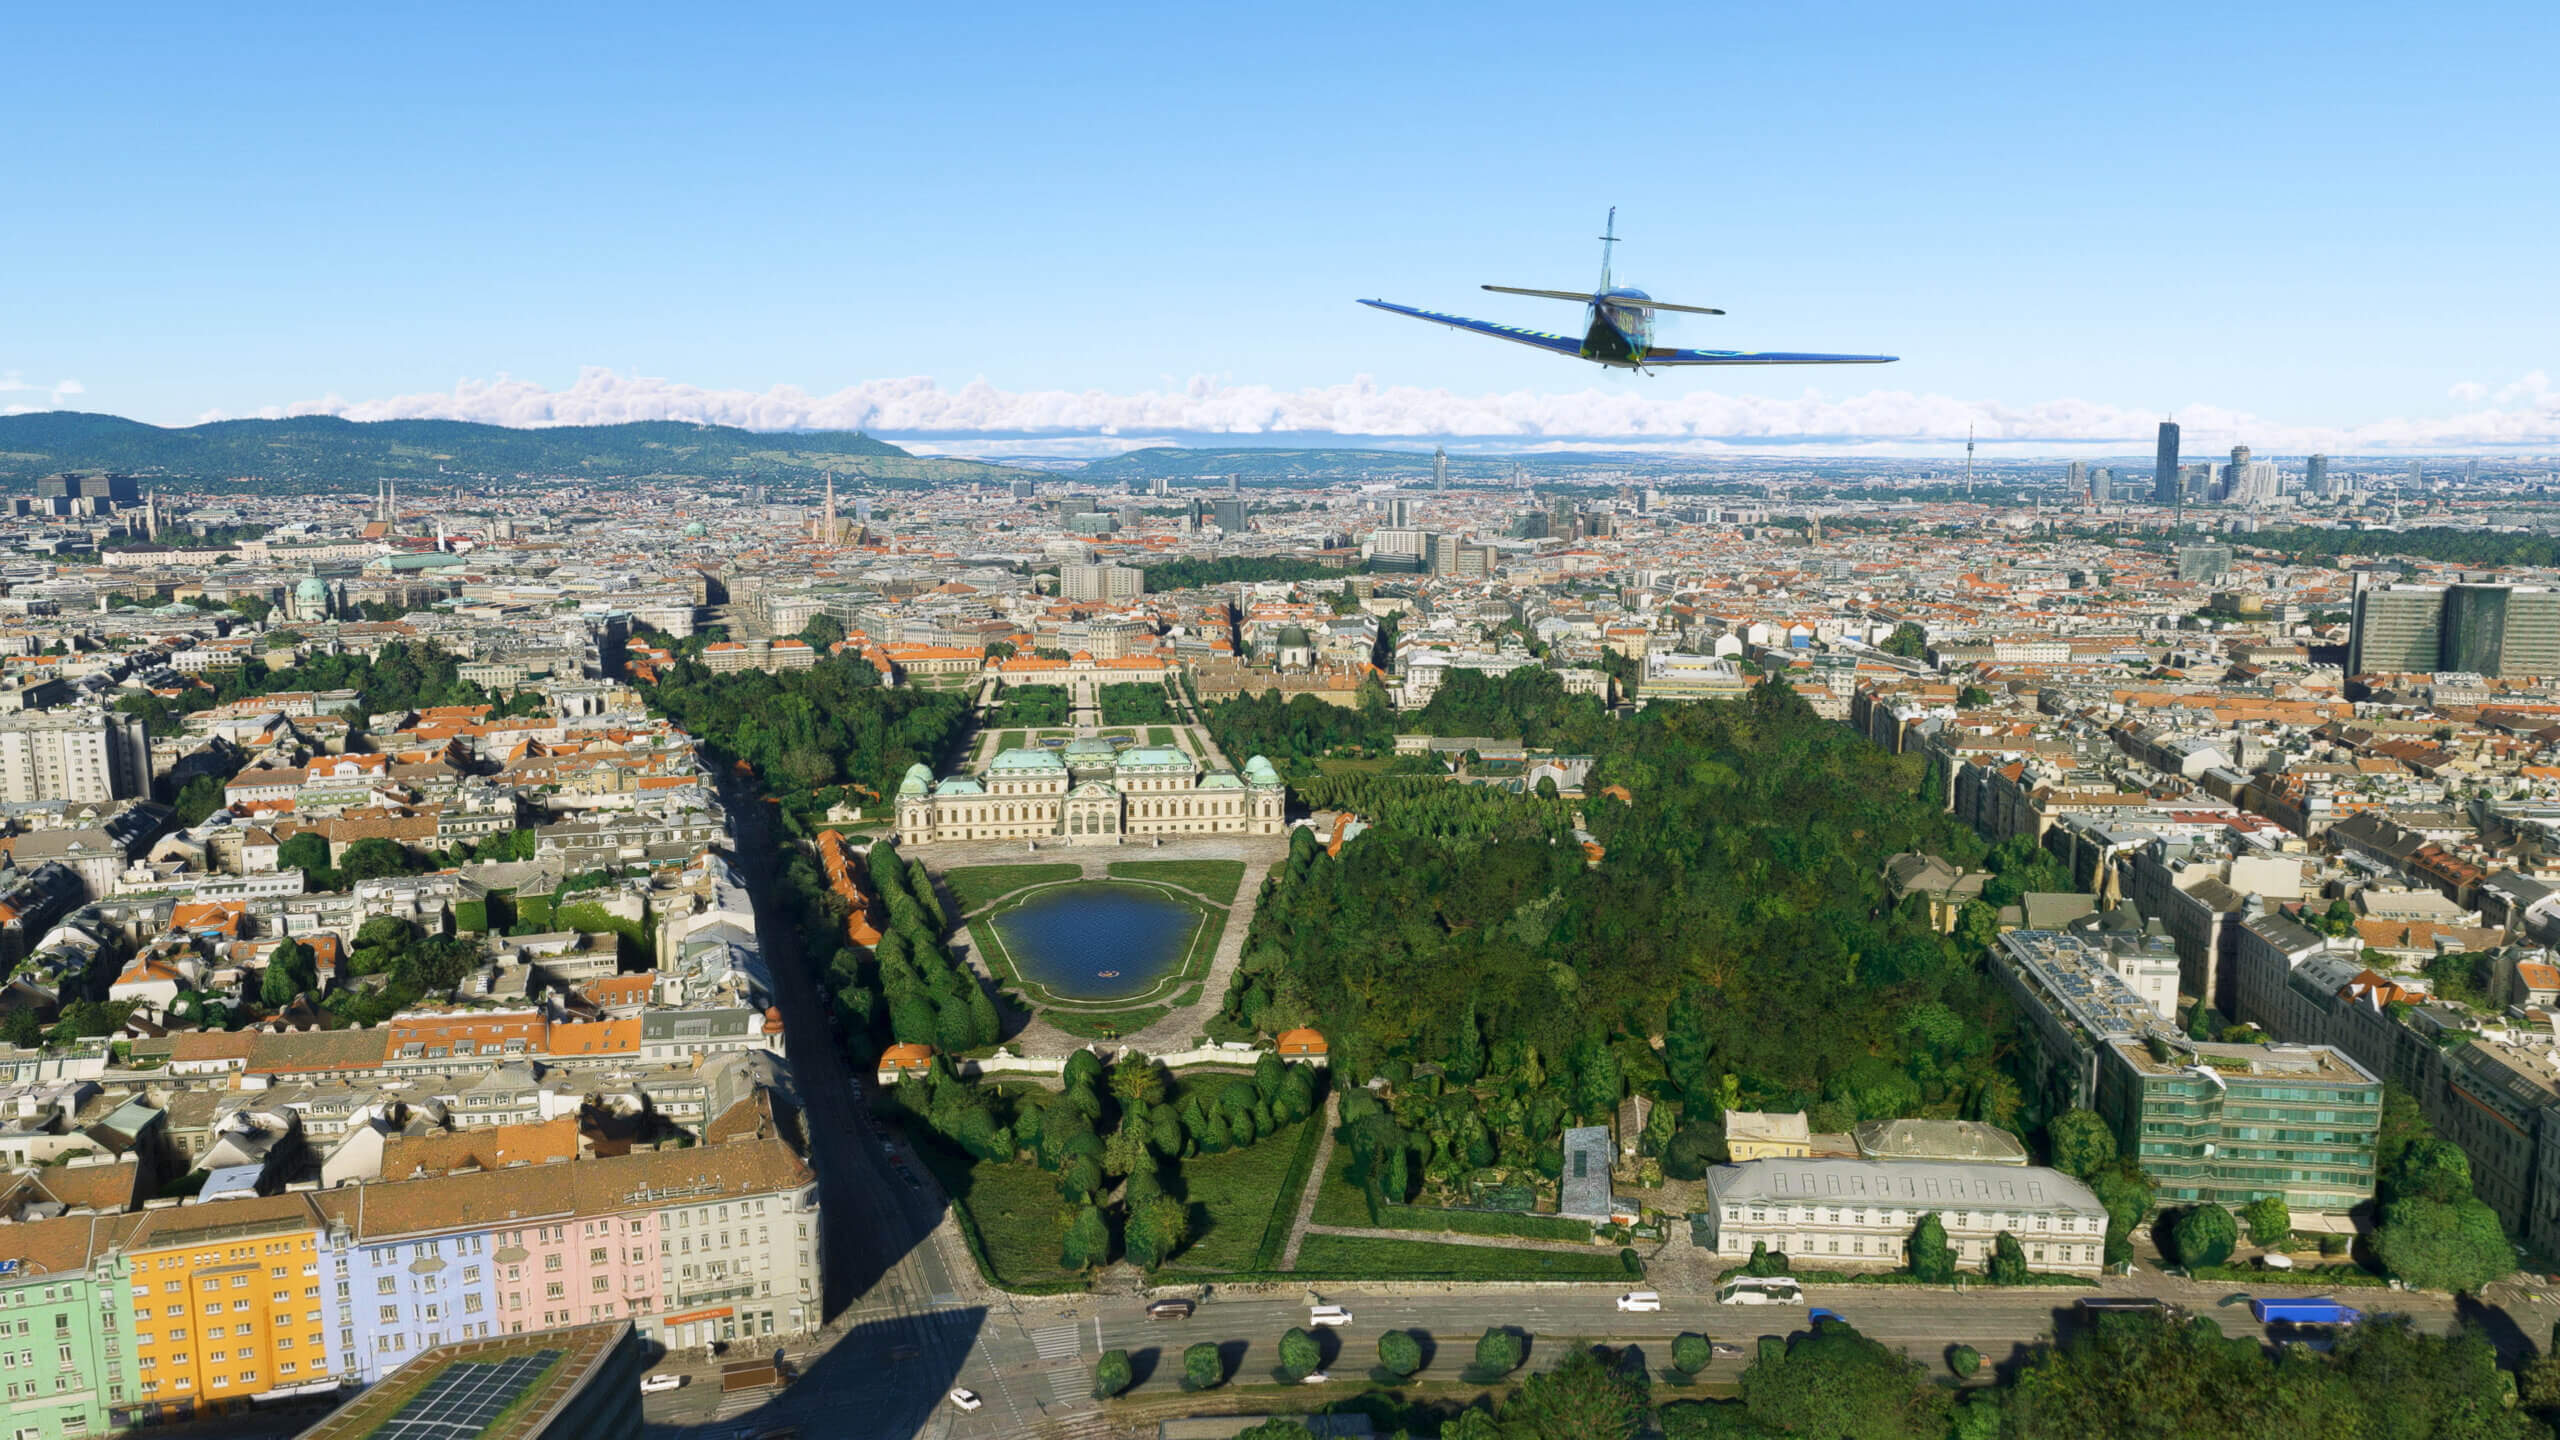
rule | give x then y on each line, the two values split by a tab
323	450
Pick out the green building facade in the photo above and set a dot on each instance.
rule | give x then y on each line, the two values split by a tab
66	1326
2231	1123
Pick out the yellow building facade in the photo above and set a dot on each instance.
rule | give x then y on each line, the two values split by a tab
224	1312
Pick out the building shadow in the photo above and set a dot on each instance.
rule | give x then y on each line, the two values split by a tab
884	1380
876	1206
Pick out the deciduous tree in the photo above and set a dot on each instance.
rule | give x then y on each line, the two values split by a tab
2205	1235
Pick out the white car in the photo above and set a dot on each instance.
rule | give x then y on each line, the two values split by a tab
966	1400
1328	1315
656	1384
1635	1300
1769	1290
1317	1377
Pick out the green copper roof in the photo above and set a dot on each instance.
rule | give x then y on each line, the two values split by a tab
1025	760
1162	755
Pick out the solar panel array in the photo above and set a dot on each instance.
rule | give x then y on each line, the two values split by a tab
459	1403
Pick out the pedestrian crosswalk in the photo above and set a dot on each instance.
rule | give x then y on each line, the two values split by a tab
1058	1342
1072	1384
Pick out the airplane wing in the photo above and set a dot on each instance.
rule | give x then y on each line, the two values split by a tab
1560	344
1665	355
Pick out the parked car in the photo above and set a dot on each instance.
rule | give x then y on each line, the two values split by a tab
1317	1377
1169	1310
1328	1315
657	1384
1636	1300
966	1399
1760	1290
1817	1315
1723	1351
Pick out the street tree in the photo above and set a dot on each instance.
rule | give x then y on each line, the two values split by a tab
1498	1353
2439	1246
1585	1397
1111	1374
1300	1356
1399	1354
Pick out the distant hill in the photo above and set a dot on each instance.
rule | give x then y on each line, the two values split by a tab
325	452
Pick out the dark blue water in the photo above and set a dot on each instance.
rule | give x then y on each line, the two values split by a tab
1096	942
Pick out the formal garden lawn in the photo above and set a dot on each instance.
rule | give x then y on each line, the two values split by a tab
1160	737
1235	1198
1241	1204
1339	1202
1029	705
975	885
1107	1024
1213	880
1014	1209
1366	1258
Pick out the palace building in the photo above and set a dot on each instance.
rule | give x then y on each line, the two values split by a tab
1090	792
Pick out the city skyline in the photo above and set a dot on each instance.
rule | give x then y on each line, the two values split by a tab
1123	234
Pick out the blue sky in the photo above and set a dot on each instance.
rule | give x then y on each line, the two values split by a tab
2318	216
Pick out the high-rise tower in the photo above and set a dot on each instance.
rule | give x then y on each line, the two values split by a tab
2164	466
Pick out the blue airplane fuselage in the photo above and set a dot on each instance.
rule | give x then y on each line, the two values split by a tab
1617	334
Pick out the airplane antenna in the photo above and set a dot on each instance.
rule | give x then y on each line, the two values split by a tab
1608	243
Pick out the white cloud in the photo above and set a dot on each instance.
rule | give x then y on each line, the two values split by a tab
13	382
2524	414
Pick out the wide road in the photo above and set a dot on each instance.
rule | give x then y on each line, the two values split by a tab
1921	1323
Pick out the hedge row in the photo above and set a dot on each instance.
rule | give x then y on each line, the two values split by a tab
2341	1274
1510	1224
1972	1279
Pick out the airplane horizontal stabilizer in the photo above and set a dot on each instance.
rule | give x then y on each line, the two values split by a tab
1662	355
1584	297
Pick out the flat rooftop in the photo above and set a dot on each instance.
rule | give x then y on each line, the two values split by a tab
506	1388
2322	1063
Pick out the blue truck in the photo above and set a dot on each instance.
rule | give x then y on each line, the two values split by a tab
2304	1312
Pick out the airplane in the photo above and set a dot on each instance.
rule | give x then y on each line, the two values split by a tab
1617	328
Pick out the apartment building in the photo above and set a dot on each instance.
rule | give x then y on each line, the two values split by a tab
66	1321
1101	582
228	1306
86	755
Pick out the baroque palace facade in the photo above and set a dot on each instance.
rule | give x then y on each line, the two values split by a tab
1090	793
